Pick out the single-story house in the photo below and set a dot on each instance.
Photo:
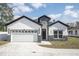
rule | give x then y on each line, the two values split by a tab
73	30
25	29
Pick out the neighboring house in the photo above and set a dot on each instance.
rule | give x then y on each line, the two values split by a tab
25	29
73	30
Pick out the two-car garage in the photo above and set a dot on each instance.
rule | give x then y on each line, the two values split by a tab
24	35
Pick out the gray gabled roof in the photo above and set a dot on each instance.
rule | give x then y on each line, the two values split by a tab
59	22
36	21
21	18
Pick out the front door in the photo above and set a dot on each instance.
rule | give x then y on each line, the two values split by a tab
43	34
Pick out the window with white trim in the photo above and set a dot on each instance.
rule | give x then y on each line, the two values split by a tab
58	33
55	34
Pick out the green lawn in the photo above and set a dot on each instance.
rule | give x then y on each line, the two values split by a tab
72	42
3	42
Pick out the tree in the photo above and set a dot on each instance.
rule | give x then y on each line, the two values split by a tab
6	14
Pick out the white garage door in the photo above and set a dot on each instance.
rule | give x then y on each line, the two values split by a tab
24	36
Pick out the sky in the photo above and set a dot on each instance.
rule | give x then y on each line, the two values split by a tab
65	12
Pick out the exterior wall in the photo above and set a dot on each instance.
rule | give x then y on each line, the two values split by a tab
45	26
24	24
58	26
51	37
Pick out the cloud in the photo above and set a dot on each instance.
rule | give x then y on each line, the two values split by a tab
69	7
34	17
70	11
16	4
38	5
21	8
54	16
24	8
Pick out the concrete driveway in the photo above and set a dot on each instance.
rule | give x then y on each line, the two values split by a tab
33	49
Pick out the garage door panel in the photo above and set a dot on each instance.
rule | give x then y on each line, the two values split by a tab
24	36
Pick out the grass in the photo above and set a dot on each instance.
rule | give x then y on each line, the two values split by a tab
3	42
72	42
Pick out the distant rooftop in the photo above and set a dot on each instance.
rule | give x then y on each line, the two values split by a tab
74	24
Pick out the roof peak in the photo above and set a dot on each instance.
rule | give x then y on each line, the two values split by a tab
44	16
21	18
59	22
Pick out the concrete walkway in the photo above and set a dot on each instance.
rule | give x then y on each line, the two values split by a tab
33	49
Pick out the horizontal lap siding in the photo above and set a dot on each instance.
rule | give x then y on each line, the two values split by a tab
24	24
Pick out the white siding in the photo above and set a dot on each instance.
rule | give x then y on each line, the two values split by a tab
78	31
44	24
58	26
24	24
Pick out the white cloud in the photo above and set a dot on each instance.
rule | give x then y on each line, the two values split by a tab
54	16
71	13
21	8
69	7
16	4
24	9
38	5
35	18
69	10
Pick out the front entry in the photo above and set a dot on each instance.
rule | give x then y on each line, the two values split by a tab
43	34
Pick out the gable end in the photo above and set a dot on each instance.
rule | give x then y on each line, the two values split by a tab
59	22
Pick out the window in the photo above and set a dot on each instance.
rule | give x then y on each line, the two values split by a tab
71	32
75	32
32	31
16	30
12	30
55	34
58	34
22	31
26	31
35	31
29	31
19	30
